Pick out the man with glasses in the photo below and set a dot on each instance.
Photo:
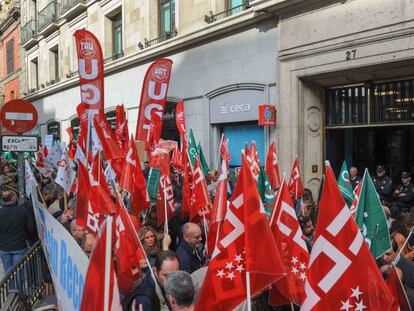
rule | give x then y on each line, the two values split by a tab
190	252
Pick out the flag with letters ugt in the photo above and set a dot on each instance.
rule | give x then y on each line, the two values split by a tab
342	274
245	243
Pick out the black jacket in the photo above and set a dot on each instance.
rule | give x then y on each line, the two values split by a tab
383	185
16	227
190	259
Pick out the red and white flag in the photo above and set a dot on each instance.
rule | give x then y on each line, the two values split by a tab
107	139
342	274
44	167
245	243
272	167
133	180
397	289
98	173
121	128
128	251
253	158
153	98
100	291
200	195
289	237
219	208
355	201
295	182
54	155
224	148
165	204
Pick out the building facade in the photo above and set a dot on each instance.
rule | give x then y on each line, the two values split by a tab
10	65
224	55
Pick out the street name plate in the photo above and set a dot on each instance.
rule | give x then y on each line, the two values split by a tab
19	143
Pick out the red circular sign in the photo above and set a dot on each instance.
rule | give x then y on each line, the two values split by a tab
18	116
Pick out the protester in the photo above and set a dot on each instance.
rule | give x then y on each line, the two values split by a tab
150	294
152	246
191	253
307	229
50	195
16	228
180	291
68	215
382	183
354	177
77	232
146	170
399	233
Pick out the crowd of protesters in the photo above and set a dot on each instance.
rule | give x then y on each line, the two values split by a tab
178	259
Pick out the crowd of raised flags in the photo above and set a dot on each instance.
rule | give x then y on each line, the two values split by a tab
253	237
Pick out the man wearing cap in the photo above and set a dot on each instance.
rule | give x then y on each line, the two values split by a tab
404	194
382	183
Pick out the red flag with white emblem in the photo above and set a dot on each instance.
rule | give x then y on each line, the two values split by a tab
295	182
133	180
272	167
355	201
245	243
101	286
121	128
224	148
219	207
342	274
253	158
65	175
165	204
288	236
98	173
200	196
397	289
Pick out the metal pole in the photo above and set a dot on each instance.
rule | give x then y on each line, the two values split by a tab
20	166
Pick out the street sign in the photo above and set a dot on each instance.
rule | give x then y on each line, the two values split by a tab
19	143
18	116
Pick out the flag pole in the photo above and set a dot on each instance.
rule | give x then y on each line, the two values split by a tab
248	294
397	258
65	201
205	229
108	251
165	209
218	157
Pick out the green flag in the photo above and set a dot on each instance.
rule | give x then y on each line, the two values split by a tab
345	186
371	219
192	148
204	165
152	184
265	191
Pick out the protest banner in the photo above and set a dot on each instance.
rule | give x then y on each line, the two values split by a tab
66	260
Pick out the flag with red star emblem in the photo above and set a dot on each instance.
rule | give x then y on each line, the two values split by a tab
342	274
295	255
245	243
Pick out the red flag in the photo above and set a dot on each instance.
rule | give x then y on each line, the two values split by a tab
272	167
342	274
165	203
133	180
153	99
101	286
72	144
180	118
224	148
121	128
91	71
253	159
295	182
200	195
187	184
93	203
176	160
98	173
107	139
219	208
128	251
355	201
397	289
288	236
245	244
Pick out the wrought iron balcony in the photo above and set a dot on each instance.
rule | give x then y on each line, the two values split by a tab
168	35
29	34
48	18
114	56
71	8
210	18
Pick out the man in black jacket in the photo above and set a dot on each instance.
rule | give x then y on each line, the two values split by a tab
191	253
382	183
16	227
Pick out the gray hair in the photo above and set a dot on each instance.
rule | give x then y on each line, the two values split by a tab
180	286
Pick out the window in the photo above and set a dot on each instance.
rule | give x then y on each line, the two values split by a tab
10	56
34	74
54	64
167	17
237	5
117	36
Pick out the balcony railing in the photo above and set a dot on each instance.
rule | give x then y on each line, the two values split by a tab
70	8
168	35
48	17
29	33
29	278
210	18
114	56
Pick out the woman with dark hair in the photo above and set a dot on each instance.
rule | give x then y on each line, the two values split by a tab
400	229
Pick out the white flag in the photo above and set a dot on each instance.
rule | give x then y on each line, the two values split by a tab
54	155
29	179
110	177
65	173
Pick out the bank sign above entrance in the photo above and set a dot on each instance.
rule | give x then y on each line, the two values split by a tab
235	106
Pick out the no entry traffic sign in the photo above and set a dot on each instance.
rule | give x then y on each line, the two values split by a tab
18	116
